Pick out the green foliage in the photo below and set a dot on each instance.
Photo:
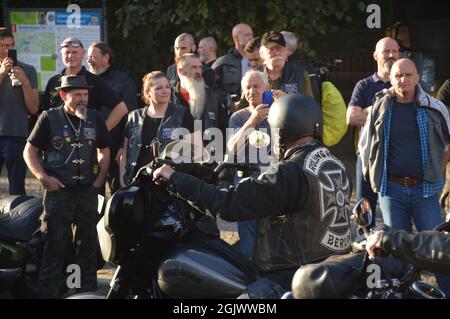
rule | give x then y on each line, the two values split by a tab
203	17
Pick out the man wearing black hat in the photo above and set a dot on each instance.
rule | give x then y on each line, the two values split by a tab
283	76
75	146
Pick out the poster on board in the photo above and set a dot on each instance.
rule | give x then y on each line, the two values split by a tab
39	32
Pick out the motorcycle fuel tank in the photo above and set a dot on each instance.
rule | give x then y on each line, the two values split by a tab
196	270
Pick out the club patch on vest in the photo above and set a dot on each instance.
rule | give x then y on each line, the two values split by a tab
167	132
318	157
337	242
334	189
132	140
89	133
212	116
291	88
57	142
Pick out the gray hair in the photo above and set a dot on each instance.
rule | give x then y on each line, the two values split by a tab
290	39
251	73
185	36
212	42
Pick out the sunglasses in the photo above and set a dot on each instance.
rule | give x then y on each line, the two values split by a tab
75	44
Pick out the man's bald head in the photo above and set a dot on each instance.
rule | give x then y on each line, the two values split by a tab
404	77
386	53
242	33
72	53
184	43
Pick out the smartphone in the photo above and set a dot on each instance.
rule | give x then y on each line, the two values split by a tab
12	54
267	98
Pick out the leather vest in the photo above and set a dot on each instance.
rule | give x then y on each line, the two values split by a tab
72	159
173	119
317	230
210	116
292	79
228	78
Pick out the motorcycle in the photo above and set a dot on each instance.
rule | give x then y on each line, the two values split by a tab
163	247
20	246
358	276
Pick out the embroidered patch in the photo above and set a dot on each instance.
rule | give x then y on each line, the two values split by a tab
291	88
89	133
132	140
167	132
57	142
212	115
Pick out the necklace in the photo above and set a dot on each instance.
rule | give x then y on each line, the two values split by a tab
77	132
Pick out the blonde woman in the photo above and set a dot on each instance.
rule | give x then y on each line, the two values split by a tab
157	120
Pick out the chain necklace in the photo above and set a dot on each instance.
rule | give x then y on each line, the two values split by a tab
77	132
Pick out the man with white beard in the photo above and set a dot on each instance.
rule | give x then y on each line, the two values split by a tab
75	146
202	101
283	76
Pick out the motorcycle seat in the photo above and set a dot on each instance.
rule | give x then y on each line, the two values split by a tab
339	276
21	222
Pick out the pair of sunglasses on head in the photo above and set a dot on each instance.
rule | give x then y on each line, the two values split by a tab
75	44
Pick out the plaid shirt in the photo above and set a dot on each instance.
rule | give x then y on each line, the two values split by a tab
428	188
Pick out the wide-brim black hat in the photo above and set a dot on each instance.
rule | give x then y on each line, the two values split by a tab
72	82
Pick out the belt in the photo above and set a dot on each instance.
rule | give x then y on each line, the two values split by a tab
407	181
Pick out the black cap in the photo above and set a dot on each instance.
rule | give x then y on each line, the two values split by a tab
274	37
72	82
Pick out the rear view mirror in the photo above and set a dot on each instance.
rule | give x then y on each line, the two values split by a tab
362	214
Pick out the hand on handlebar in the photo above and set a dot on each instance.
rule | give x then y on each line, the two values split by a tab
373	246
164	172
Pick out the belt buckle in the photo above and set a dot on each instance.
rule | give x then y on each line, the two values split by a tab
408	181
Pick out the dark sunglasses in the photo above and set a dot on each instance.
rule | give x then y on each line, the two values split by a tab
75	44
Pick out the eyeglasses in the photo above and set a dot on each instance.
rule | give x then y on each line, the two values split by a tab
6	46
75	44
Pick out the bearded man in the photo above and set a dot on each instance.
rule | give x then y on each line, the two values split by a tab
74	142
202	101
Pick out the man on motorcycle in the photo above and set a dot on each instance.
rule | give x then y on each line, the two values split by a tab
428	250
302	206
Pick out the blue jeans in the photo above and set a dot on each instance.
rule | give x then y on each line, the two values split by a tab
363	189
11	155
404	204
247	237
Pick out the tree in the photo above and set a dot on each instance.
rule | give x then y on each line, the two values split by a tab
158	22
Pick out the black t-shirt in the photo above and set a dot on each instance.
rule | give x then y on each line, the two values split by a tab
149	132
40	136
100	95
405	154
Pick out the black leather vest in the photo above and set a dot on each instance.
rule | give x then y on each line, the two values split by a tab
317	230
292	79
229	77
173	119
72	159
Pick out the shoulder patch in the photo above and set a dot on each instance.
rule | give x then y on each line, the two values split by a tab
317	158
